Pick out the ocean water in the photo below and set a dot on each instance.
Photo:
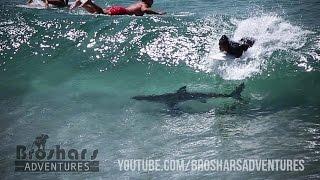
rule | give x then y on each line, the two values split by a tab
71	75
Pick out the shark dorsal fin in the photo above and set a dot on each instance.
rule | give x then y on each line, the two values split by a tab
182	89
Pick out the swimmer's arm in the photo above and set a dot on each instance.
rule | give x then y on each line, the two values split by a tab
84	3
29	1
150	11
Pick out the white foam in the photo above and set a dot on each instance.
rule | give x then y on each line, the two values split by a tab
272	33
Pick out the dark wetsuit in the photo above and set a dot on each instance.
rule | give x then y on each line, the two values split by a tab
235	48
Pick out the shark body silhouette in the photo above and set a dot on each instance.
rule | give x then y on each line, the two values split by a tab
172	99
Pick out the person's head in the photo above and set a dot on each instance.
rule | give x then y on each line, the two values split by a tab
224	43
148	2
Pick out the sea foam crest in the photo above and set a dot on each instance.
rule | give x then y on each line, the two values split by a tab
272	33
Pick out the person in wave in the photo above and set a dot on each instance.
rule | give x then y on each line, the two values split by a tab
57	3
235	48
139	9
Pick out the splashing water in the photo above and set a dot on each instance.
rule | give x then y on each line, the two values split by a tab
271	33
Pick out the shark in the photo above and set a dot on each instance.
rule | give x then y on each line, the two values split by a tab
181	95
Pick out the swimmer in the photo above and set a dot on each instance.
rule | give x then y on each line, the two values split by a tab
234	48
138	9
57	3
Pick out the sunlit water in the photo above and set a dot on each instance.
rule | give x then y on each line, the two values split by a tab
71	75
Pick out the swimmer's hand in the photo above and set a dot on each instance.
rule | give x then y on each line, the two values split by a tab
162	13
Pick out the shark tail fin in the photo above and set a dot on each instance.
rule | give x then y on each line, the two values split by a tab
236	94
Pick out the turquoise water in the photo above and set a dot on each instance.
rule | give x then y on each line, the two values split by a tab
72	76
